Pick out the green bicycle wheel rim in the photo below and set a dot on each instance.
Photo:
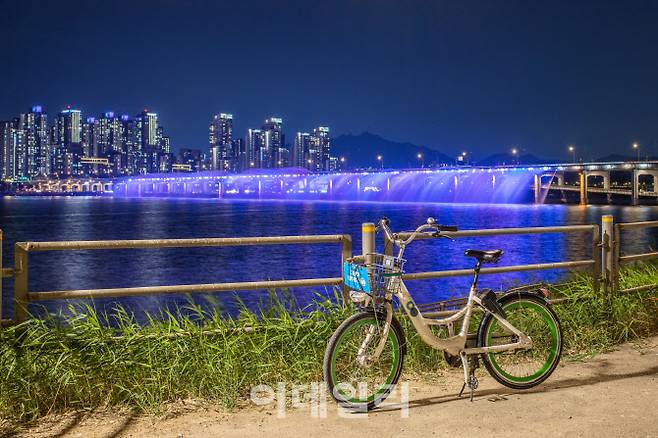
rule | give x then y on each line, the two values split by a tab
554	343
389	378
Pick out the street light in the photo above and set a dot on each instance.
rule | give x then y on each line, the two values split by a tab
637	148
573	153
381	160
420	157
514	152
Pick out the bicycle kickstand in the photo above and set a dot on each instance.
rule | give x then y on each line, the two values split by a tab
472	381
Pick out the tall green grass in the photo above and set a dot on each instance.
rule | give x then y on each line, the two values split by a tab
49	367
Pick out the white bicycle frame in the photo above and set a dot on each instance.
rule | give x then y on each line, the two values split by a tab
454	344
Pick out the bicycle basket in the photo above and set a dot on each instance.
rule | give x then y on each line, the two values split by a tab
378	276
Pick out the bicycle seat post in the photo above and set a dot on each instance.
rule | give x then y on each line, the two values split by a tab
476	274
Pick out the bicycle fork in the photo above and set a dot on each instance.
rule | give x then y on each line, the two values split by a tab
362	357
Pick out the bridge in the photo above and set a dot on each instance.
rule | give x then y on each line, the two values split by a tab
68	186
628	182
596	178
496	184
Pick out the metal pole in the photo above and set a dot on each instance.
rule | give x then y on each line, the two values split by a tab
597	256
368	243
616	254
367	238
607	237
20	283
607	230
345	253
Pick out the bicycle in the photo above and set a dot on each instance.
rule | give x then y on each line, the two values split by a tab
519	337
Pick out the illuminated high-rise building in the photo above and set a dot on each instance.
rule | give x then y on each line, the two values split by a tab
34	150
272	142
89	137
220	137
299	156
8	149
109	139
129	148
253	147
67	143
241	156
320	149
147	140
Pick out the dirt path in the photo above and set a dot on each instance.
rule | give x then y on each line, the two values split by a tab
615	394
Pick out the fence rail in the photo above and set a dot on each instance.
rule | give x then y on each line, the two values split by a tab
619	259
22	296
603	264
594	263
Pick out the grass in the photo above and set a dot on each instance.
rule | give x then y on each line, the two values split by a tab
84	364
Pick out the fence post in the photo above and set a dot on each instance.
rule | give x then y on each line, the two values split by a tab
607	267
367	238
345	253
597	255
368	243
20	283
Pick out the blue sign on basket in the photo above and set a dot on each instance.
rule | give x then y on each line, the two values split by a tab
356	277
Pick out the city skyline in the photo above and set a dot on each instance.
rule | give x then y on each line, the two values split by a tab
113	144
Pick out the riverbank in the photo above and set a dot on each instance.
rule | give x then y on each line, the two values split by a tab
603	396
82	365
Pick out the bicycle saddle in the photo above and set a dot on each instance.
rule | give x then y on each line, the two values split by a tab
485	256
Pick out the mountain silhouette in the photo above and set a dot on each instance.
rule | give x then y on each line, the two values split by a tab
361	151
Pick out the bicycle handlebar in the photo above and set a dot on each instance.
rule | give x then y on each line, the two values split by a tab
384	224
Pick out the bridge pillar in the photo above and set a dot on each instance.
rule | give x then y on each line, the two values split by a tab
583	188
635	190
654	179
560	179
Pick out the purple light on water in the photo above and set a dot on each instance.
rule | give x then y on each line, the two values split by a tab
481	186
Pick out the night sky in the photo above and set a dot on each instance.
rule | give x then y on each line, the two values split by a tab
481	76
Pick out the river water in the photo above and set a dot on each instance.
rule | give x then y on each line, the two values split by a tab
99	218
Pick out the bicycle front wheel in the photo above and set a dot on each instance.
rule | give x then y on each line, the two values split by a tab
522	369
356	380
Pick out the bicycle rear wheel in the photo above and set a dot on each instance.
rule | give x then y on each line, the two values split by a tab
522	369
354	381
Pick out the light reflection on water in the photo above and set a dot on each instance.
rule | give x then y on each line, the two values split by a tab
42	219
